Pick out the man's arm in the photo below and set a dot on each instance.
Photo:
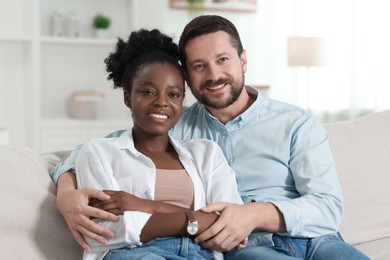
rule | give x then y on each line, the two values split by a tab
316	212
69	163
73	205
319	209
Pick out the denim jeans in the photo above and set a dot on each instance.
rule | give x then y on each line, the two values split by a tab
273	246
173	248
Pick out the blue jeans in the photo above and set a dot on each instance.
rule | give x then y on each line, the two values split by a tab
173	248
273	246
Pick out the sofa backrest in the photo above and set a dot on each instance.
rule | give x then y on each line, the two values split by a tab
361	149
31	227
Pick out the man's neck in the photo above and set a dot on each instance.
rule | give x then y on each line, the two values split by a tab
229	113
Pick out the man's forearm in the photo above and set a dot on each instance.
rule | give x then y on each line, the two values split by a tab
66	182
272	219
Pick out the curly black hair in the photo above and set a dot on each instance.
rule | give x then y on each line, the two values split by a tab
142	48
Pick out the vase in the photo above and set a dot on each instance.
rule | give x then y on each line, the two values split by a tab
101	33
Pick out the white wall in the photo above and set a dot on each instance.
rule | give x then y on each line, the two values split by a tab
263	34
358	29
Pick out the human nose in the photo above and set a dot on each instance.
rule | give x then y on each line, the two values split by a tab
160	101
213	72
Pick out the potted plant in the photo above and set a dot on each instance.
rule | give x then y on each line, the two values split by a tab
101	23
195	7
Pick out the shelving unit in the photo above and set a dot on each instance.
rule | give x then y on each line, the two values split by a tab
39	72
80	41
230	6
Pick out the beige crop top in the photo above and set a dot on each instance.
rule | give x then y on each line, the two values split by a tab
174	187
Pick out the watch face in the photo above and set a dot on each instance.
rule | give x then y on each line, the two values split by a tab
192	228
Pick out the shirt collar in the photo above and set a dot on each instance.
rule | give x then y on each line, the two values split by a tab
243	117
126	142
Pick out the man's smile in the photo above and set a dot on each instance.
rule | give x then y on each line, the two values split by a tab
217	87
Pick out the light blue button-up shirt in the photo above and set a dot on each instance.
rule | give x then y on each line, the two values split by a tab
280	154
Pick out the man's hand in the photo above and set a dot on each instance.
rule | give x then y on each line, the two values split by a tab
236	222
73	205
232	227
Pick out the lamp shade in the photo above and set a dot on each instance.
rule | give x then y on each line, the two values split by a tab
306	51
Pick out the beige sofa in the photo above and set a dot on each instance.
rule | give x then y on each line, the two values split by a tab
32	228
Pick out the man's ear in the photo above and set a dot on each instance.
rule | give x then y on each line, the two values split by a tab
186	79
243	61
127	98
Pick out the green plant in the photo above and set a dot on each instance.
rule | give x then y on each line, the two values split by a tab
195	7
195	3
101	22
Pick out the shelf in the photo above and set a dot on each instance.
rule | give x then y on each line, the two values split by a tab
66	133
13	39
73	122
44	71
81	41
230	6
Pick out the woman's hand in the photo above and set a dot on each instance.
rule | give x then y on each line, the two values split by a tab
119	202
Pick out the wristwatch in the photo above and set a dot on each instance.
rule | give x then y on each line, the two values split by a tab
192	226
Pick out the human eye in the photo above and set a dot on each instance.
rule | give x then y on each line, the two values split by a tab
223	59
174	94
147	92
198	66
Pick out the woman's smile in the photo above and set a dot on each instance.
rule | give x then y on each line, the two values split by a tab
160	117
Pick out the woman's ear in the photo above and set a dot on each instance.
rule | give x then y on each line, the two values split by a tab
127	98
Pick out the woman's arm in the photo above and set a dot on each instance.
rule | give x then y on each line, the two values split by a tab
172	216
172	224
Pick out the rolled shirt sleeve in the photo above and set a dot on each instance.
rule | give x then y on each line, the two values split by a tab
319	208
93	171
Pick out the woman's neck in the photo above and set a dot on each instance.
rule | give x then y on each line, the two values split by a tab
158	149
151	143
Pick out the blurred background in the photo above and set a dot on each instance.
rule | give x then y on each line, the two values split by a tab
330	57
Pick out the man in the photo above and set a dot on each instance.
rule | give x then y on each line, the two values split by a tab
285	170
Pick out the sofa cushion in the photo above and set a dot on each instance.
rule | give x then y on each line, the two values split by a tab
362	152
376	249
30	225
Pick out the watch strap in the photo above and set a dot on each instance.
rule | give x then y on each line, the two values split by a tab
192	226
190	216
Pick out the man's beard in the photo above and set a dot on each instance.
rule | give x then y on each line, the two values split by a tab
212	102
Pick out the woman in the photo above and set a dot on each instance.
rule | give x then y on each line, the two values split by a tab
156	184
